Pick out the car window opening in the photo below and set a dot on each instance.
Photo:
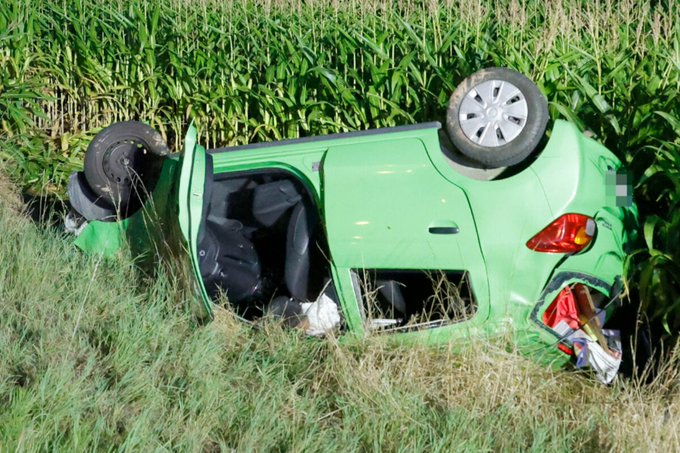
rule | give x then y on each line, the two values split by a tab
262	245
398	300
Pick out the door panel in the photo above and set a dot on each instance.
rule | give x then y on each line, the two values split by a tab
388	207
192	182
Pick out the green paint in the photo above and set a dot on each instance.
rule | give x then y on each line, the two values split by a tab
190	199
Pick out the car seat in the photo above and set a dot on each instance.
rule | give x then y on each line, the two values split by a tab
300	230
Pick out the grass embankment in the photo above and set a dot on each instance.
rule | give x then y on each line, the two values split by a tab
93	361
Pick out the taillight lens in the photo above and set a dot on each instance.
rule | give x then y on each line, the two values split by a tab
570	233
563	308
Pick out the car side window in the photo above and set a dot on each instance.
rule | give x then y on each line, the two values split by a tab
402	300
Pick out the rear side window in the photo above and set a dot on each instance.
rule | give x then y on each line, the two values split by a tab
403	300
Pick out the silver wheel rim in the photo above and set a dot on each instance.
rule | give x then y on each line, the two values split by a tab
493	113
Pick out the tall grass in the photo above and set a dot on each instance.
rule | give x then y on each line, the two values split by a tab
91	361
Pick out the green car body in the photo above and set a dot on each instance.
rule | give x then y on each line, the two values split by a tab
383	196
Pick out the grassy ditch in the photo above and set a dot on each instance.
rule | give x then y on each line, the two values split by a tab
92	361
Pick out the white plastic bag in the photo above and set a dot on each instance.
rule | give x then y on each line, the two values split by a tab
322	315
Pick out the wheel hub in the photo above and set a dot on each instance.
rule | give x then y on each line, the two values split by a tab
119	161
493	113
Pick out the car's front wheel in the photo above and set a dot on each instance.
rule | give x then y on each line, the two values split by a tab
497	117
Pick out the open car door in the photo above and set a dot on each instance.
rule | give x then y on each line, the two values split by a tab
196	172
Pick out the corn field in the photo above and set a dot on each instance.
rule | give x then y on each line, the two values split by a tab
259	70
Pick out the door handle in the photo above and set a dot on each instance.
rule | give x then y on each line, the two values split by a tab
443	228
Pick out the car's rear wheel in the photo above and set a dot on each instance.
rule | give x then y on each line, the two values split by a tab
497	117
123	162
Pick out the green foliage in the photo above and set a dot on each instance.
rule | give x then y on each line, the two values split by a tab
253	71
658	264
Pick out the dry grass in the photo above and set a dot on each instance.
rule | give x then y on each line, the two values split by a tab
10	196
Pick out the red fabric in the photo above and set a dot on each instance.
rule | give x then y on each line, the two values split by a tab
564	309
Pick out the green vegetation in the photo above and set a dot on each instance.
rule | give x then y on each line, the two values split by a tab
89	361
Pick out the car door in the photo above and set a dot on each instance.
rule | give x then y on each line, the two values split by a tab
387	208
195	173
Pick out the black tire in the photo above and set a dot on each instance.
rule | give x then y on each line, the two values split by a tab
86	203
497	114
123	162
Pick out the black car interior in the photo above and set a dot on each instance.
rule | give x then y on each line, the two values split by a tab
261	238
416	298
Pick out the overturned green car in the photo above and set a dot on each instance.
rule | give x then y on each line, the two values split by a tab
422	232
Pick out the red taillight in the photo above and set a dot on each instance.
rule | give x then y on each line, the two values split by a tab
566	349
563	308
568	234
